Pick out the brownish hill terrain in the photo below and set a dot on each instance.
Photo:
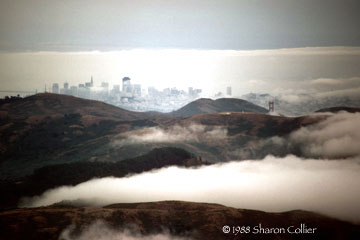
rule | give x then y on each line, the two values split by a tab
220	136
67	174
182	219
206	105
42	105
48	129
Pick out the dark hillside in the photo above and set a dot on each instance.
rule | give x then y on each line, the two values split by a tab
206	105
56	175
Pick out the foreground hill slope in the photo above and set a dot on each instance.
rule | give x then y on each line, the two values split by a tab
206	105
175	218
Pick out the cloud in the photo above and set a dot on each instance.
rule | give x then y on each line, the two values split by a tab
306	96
316	89
332	84
101	231
336	137
174	134
272	184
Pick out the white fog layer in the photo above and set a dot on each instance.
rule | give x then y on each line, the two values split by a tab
336	137
273	184
101	231
174	134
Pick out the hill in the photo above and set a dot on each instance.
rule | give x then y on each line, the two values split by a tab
48	129
169	218
221	137
36	107
51	176
51	128
206	105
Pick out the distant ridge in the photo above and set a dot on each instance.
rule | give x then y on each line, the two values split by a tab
207	105
339	108
43	104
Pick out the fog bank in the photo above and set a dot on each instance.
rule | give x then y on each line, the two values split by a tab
273	184
336	137
174	134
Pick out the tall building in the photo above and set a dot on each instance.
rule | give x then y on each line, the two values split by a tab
83	91
126	87
74	90
116	89
105	86
55	88
66	89
191	89
152	91
174	91
137	90
228	91
89	84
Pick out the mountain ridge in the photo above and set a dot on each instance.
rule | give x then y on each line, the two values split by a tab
207	105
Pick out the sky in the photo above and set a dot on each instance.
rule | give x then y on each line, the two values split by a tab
191	24
251	45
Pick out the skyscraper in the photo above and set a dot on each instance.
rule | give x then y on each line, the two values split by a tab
126	87
55	88
228	91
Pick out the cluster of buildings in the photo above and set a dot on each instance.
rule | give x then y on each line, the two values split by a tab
83	90
131	96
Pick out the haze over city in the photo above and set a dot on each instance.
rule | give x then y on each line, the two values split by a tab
201	44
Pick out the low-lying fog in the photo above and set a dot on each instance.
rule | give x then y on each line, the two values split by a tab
273	184
99	230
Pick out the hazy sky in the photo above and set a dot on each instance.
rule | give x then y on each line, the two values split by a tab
200	24
179	43
276	71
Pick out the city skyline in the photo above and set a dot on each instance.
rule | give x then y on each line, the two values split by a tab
275	47
285	71
131	96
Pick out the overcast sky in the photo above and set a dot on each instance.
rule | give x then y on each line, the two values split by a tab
196	24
